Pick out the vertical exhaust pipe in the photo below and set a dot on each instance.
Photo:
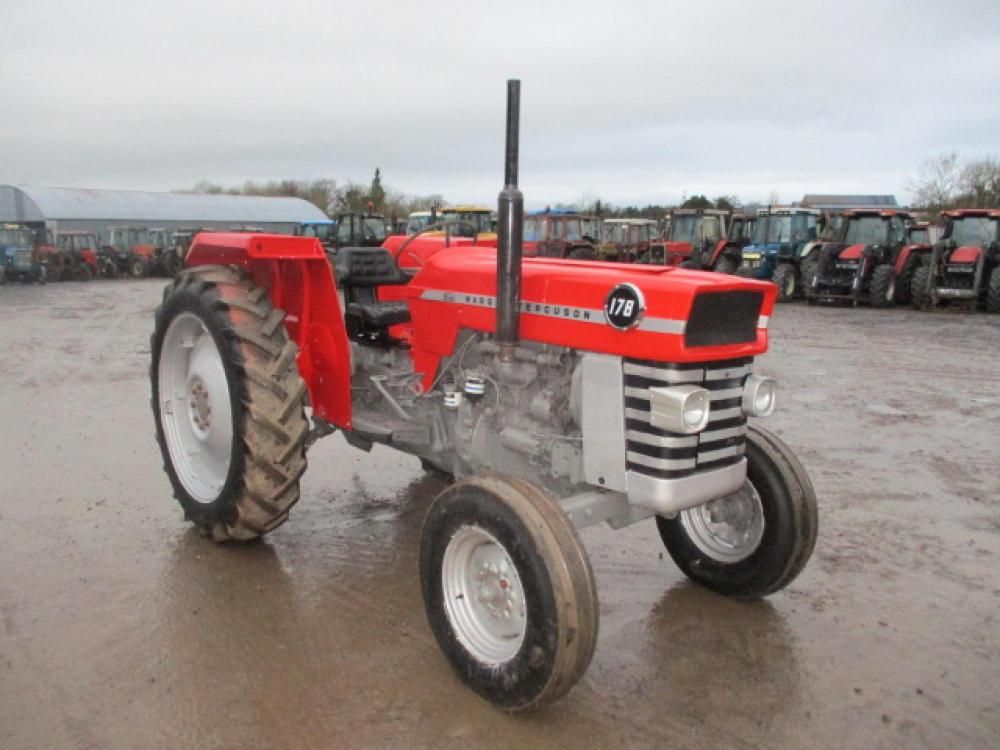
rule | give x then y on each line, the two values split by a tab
510	231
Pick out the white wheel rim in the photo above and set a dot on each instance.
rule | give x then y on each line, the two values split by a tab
483	596
728	529
891	291
195	410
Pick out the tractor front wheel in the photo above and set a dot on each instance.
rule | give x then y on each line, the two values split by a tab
508	590
920	293
757	540
139	268
228	403
993	291
785	277
882	288
726	264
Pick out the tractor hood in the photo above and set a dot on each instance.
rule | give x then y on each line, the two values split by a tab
965	254
765	248
685	316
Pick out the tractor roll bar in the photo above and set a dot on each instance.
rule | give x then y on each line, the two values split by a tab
510	226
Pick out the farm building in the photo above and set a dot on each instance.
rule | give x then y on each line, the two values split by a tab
63	209
845	202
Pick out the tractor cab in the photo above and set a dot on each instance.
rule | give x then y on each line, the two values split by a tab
360	230
18	258
626	240
862	266
324	230
965	264
741	228
419	220
777	246
476	221
698	239
559	234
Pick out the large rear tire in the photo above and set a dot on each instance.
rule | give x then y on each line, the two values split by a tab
993	291
726	264
228	403
882	288
755	541
508	590
139	268
920	293
904	283
786	279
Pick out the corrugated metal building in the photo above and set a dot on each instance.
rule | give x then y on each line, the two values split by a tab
97	210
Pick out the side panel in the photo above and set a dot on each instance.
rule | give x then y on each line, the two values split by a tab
602	417
297	275
968	254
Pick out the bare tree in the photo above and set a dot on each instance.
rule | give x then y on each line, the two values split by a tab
937	183
979	181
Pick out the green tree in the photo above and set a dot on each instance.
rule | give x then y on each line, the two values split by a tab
376	194
697	201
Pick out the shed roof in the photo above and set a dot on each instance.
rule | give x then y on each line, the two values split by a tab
819	200
20	203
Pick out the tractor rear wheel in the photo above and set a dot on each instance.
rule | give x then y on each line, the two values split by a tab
508	590
785	277
993	291
83	273
228	403
138	268
757	540
920	293
882	287
904	283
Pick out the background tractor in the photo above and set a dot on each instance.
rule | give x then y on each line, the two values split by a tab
697	238
626	240
776	251
865	264
556	395
964	266
359	230
471	221
323	230
81	250
130	251
560	234
19	260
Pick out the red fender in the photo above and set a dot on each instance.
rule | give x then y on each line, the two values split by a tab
297	275
965	254
852	252
717	251
907	252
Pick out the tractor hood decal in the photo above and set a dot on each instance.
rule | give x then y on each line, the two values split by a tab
563	312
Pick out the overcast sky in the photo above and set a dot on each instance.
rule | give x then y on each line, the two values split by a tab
632	102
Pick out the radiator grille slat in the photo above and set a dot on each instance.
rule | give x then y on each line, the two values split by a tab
668	455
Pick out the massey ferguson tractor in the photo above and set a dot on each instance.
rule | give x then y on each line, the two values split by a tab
867	265
626	240
964	266
557	394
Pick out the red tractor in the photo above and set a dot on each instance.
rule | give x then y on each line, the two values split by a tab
697	238
80	249
560	234
130	250
965	264
557	396
626	240
869	264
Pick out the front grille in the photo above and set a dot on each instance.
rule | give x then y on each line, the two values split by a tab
668	455
720	318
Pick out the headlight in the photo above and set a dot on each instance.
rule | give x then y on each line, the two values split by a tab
759	396
679	408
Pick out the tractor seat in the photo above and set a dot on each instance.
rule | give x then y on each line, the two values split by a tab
359	270
380	314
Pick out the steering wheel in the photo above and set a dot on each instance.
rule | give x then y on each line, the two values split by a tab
446	226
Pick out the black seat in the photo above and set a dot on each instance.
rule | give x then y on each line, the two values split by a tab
359	270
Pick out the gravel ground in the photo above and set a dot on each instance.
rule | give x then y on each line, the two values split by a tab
120	627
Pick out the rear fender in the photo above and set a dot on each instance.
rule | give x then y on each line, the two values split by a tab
297	275
906	253
720	248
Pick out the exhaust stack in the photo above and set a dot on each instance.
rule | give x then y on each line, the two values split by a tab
510	231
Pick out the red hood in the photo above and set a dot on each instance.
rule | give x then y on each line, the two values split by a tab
852	252
563	304
965	254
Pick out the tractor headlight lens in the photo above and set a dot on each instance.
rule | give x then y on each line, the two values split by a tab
759	396
679	408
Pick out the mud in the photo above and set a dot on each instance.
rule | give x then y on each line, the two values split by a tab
122	628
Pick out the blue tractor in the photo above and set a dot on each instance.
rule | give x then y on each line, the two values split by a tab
775	252
18	259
